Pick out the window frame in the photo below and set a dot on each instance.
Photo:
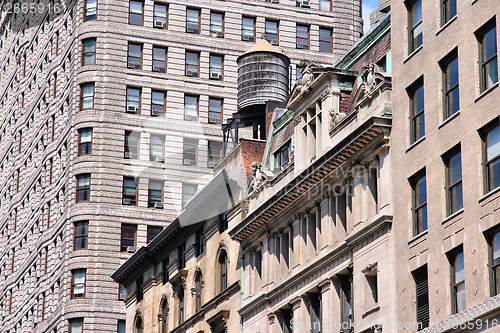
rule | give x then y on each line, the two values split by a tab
129	100
160	18
219	112
197	107
77	236
198	23
308	38
80	143
123	226
445	5
447	91
329	3
412	26
454	285
151	203
72	320
86	9
152	228
213	69
79	188
415	275
153	147
480	35
484	134
127	146
223	270
267	34
414	182
490	237
210	155
278	153
73	283
222	24
189	65
447	159
84	53
157	60
163	112
330	41
195	186
130	13
130	57
134	201
415	114
186	142
82	97
251	38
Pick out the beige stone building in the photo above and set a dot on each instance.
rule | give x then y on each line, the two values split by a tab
446	165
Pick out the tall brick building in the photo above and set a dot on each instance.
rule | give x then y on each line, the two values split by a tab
110	122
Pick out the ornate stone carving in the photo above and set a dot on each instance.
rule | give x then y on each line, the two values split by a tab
305	82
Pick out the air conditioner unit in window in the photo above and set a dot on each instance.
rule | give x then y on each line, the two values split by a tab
188	117
190	29
189	73
159	24
160	159
301	46
274	42
220	34
130	249
245	37
212	164
212	120
155	113
131	65
131	109
126	201
188	161
305	3
214	76
128	154
156	68
158	205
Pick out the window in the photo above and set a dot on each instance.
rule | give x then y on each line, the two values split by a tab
222	223
139	294
180	296
192	64
78	283
415	25
160	16
131	145
76	325
346	304
181	256
191	108
159	59
491	153
457	279
325	40
302	37
487	38
370	288
217	24
121	326
155	193
165	265
214	153
90	10
83	188
417	116
138	322
156	148
223	270
80	235
286	320
164	315
282	157
135	12
88	56
84	141
122	292
128	237
129	191
199	242
133	104
315	312
422	297
451	98
193	21
153	232
198	285
453	173
158	103
216	69
87	99
214	110
494	262
419	199
248	29
325	5
448	10
298	72
188	191
134	59
190	152
272	32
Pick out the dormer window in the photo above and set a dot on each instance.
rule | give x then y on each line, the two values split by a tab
312	129
282	157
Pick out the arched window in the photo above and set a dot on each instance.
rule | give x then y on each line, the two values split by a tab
164	314
223	270
197	281
138	324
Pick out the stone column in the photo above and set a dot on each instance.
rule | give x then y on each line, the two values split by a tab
265	261
326	305
273	324
298	317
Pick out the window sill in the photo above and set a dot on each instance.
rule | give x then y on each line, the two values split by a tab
449	119
450	217
489	194
486	92
420	235
414	144
413	53
453	19
370	310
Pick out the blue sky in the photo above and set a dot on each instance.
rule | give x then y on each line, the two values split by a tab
368	7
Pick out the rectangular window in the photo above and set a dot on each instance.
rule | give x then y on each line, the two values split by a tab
346	303
87	99
190	152
131	145
83	188
487	39
135	13
188	191
453	173
325	5
325	40
121	326
494	262
371	289
415	25
448	10
88	49
160	17
134	58
451	97
90	10
84	141
272	32
181	256
214	153
419	202
457	279
214	110
491	155
158	103
223	223
248	29
122	294
81	235
286	320
156	148
217	24
315	312
76	325
139	291
282	157
417	115
216	68
192	21
422	297
191	108
128	237
199	242
192	64
159	59
133	103
153	232
155	194
129	191
302	37
78	283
